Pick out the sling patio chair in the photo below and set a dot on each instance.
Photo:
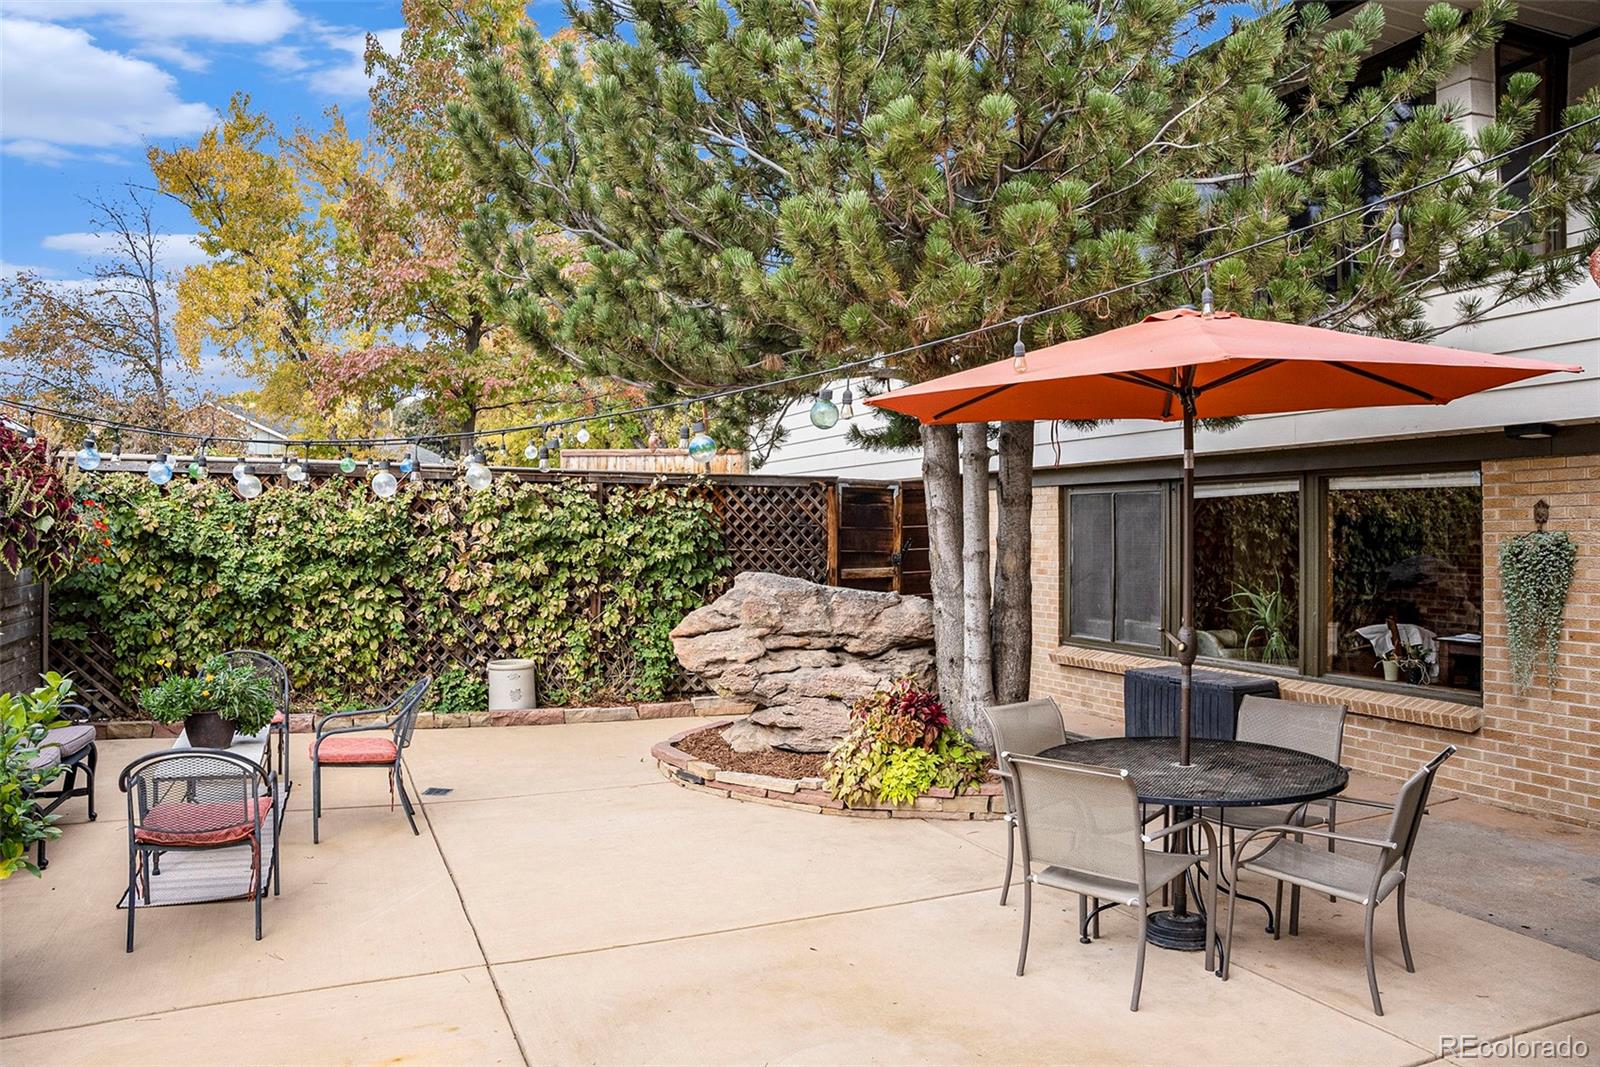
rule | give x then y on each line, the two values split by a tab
1365	879
1083	823
194	800
274	669
72	746
1303	727
1027	728
357	746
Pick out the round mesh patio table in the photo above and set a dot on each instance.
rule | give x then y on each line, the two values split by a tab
1221	774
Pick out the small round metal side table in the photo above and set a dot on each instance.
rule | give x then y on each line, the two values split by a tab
1220	774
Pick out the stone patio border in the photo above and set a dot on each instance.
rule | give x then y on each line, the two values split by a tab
808	794
305	723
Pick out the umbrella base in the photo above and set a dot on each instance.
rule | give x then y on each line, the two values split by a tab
1180	931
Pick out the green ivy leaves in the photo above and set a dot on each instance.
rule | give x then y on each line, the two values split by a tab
352	592
1536	571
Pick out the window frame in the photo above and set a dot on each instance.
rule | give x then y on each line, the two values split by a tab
1167	499
1314	550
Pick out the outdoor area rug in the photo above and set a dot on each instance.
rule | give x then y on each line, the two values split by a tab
196	877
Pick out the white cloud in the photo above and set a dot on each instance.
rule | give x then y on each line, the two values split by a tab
348	78
156	27
60	91
285	57
174	251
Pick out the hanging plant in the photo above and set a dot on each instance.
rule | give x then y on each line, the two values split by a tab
1536	571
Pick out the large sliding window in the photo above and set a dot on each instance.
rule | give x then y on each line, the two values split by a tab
1374	577
1115	583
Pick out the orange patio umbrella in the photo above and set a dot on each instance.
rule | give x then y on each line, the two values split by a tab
1187	365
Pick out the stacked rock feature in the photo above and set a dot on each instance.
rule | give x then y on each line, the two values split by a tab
798	654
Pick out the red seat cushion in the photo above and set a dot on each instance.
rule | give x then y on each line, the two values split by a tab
355	749
216	822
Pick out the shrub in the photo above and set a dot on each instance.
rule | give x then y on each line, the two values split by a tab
900	745
39	523
456	692
25	718
241	694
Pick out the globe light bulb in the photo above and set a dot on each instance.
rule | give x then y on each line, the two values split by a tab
88	455
159	471
478	475
384	483
295	470
408	464
702	446
1397	241
530	450
239	469
824	414
197	469
248	484
583	435
347	464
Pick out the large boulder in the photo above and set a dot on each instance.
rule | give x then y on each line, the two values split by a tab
799	654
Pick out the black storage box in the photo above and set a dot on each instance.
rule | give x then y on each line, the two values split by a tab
1150	701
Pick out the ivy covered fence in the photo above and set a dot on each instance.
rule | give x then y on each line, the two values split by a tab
355	593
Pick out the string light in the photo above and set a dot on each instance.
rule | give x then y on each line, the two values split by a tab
347	463
531	449
116	447
683	437
295	470
197	465
1208	303
88	455
239	469
478	475
543	455
583	435
847	402
824	415
159	471
384	483
1397	240
702	446
249	483
1019	351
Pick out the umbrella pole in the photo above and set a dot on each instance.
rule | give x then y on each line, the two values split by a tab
1186	642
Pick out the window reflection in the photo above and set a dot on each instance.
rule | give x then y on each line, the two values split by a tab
1247	569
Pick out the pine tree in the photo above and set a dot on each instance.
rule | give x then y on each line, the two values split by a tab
790	184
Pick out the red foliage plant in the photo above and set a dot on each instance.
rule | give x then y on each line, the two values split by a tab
39	524
904	714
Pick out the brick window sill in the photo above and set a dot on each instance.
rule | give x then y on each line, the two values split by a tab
1371	703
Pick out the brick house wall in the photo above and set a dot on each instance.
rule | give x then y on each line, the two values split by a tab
1538	753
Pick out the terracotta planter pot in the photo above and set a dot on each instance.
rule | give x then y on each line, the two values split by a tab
208	730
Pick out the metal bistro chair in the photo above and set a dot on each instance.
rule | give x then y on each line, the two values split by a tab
72	747
1027	728
1084	824
1314	728
343	747
274	669
194	799
1364	880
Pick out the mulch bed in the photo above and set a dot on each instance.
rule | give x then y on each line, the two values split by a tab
708	745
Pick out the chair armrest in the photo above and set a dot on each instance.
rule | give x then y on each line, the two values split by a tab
75	713
1327	835
326	719
1167	831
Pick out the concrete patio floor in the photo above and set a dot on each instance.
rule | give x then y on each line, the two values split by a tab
564	904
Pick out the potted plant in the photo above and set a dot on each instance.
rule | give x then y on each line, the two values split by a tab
215	704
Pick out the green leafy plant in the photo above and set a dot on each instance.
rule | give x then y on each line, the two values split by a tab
240	694
40	526
1268	615
337	583
1536	571
900	745
25	719
457	692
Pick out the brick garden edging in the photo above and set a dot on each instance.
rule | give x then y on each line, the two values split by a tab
305	723
808	794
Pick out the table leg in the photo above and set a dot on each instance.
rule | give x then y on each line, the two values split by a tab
1179	929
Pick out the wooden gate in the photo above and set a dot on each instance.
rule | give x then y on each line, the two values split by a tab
881	539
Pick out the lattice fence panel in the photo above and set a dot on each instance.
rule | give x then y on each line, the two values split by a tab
771	525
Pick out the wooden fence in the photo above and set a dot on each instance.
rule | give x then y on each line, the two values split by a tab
22	631
818	529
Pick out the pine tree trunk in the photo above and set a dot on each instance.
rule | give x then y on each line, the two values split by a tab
1012	628
941	481
977	676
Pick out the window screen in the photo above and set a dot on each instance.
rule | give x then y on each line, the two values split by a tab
1115	574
